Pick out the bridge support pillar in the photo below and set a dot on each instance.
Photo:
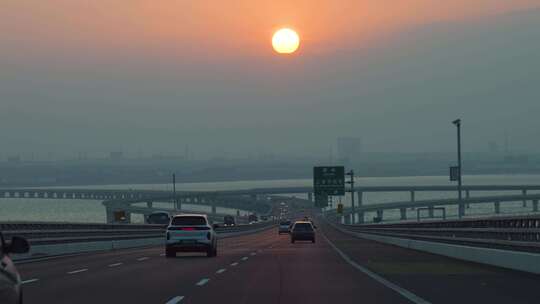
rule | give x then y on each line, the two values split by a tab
347	219
412	196
524	192
359	207
535	205
430	212
214	208
497	207
110	215
380	215
310	196
403	213
150	204
178	204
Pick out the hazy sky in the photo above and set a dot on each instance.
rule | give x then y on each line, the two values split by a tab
153	76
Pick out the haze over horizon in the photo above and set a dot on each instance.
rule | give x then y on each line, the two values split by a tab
155	78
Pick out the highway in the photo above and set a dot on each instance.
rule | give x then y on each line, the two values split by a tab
265	267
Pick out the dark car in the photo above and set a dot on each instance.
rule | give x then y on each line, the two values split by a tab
228	220
10	280
302	231
159	218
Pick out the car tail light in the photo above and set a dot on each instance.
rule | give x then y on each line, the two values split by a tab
188	228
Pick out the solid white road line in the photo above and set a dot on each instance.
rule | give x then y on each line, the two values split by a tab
29	281
405	293
222	270
253	253
142	259
115	264
175	300
162	254
244	258
202	282
234	264
77	271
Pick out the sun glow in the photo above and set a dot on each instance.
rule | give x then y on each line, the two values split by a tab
285	41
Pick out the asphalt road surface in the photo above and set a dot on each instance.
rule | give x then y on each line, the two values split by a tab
266	268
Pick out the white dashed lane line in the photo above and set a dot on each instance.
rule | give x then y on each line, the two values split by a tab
244	258
202	282
222	270
29	281
175	300
115	264
142	259
162	254
77	271
253	253
234	264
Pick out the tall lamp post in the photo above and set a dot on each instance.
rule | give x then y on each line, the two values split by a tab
351	182
461	207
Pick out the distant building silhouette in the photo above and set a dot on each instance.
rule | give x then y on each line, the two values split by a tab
348	148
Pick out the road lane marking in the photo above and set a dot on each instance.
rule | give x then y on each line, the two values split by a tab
29	281
142	259
77	271
202	282
175	300
244	258
115	264
253	253
405	293
162	254
234	264
222	270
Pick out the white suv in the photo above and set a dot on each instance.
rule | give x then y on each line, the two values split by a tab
190	233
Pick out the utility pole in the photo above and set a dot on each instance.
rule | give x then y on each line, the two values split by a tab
174	190
461	208
351	182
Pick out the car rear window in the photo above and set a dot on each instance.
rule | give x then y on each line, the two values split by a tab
285	223
188	221
303	227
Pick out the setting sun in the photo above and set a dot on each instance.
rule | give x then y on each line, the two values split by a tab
285	41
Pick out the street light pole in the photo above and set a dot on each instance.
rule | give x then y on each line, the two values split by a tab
461	208
174	191
351	182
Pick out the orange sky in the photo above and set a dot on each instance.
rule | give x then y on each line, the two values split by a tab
221	27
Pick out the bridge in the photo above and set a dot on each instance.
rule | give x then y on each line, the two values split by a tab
258	199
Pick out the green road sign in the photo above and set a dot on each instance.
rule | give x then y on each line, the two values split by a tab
329	180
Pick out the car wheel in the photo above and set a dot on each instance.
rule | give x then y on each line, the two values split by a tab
215	252
211	252
292	241
313	240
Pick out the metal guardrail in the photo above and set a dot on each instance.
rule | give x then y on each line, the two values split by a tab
55	233
510	233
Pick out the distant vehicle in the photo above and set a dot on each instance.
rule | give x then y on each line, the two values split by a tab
190	233
159	218
253	218
264	218
302	231
284	227
10	280
228	220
